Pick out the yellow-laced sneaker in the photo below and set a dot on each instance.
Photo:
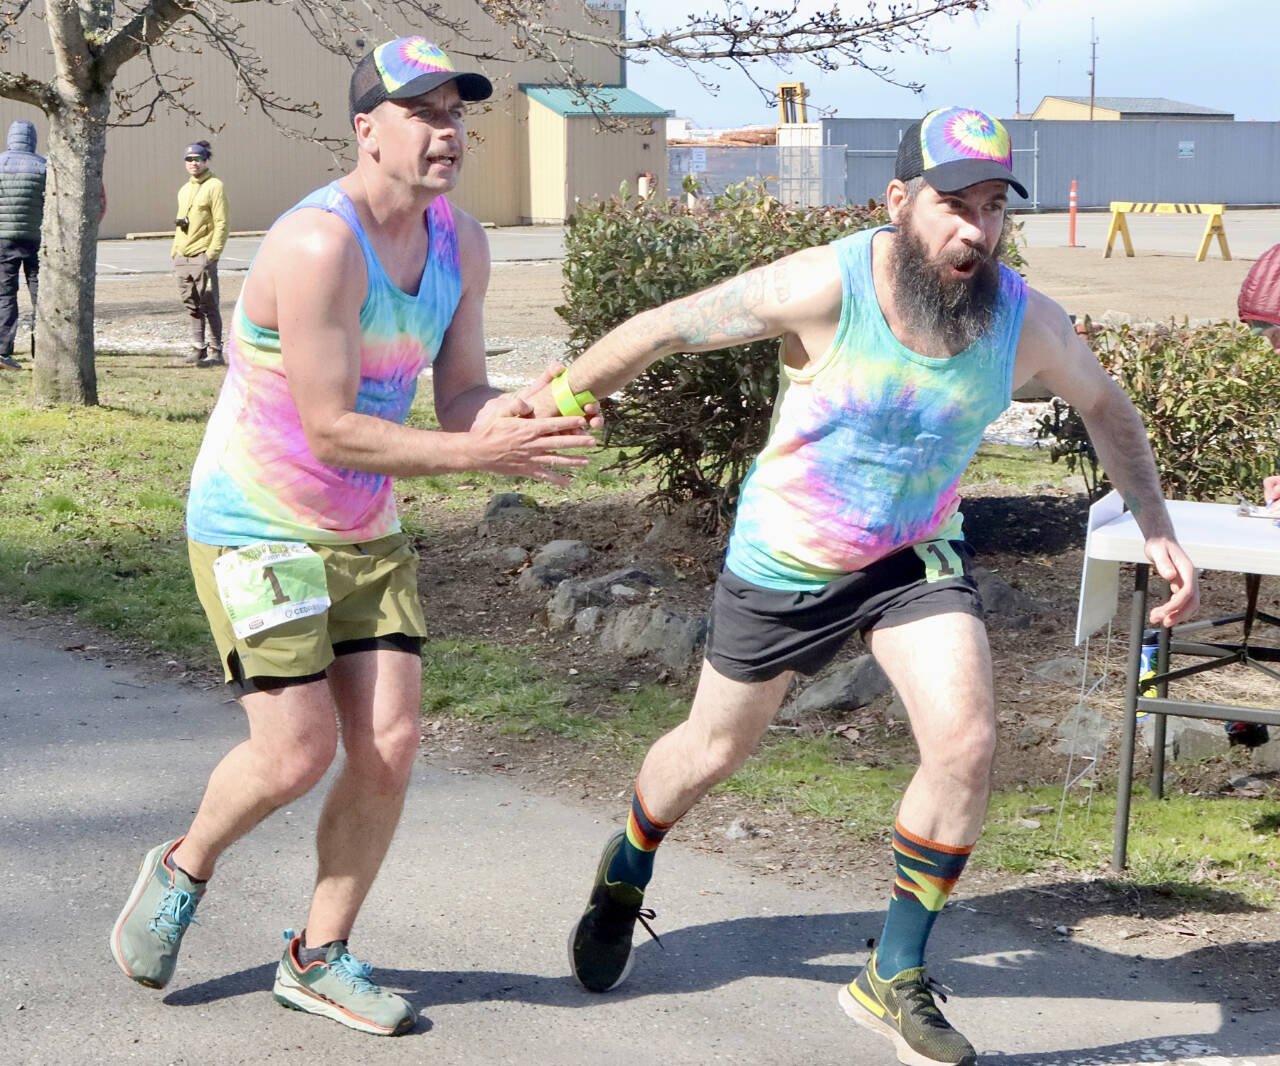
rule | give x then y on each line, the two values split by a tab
902	1008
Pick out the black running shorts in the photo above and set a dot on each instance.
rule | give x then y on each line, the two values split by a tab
757	633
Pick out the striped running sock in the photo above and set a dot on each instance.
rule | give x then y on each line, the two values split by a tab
926	873
634	861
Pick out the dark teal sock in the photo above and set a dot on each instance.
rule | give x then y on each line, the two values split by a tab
633	862
926	872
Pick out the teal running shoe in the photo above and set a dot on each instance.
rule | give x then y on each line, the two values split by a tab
600	942
902	1008
149	931
340	988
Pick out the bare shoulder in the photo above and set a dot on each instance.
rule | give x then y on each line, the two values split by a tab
334	263
323	238
473	244
1046	329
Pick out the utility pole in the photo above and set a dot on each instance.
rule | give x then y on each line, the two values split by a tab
1017	72
1093	65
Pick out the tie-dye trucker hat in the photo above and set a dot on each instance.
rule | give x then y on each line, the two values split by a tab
405	67
955	147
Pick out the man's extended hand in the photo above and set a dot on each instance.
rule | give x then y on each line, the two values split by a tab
507	439
1172	564
543	404
534	400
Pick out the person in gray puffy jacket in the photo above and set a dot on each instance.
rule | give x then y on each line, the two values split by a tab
22	177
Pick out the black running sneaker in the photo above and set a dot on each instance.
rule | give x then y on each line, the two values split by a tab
600	942
902	1008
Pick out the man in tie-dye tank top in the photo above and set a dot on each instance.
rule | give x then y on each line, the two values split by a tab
898	347
309	584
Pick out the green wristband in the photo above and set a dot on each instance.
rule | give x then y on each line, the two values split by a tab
568	402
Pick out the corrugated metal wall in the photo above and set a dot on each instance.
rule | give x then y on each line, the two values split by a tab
265	172
592	168
1180	161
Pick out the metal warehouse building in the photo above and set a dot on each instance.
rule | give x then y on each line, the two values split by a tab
533	149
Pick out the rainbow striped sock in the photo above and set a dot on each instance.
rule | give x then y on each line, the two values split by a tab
634	861
926	873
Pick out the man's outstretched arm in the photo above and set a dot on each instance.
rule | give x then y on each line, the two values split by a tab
798	294
1051	351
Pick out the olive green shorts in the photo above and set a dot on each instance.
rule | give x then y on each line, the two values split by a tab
373	594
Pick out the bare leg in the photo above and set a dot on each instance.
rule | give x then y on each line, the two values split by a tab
293	735
724	725
378	694
941	667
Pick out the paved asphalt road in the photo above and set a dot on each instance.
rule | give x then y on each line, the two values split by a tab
469	920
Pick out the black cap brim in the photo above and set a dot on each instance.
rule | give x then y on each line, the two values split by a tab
471	87
961	173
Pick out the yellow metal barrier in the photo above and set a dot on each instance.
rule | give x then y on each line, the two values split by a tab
1213	227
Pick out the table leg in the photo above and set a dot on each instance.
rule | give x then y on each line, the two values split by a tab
1252	583
1128	725
1159	723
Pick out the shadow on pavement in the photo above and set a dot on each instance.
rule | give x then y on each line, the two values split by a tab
701	957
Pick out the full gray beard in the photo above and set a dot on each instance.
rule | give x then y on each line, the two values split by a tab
953	311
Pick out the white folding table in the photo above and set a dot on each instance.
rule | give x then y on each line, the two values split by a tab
1215	537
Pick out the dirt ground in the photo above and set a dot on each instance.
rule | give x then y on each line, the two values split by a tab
1032	540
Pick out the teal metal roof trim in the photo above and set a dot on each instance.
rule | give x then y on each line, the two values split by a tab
569	103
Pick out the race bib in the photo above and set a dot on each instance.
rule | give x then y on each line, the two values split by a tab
264	585
940	559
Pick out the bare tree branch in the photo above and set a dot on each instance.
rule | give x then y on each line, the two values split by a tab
26	89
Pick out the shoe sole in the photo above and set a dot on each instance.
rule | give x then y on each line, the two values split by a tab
139	885
290	993
573	966
906	1053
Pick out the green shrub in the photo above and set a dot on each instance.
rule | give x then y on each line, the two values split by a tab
698	421
1207	396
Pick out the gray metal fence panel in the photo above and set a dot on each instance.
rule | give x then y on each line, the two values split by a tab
1159	160
806	176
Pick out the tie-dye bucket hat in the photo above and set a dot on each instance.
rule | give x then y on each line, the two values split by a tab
406	67
955	147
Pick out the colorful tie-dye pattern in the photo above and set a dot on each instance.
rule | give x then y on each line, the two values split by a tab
867	447
962	133
406	58
255	477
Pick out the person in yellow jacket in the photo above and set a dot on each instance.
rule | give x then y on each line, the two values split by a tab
199	236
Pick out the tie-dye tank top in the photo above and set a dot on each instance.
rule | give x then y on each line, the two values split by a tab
867	445
255	477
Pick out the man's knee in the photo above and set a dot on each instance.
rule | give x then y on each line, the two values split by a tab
386	755
717	756
295	762
965	756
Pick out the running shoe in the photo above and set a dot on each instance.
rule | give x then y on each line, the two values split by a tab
600	942
340	988
902	1008
149	931
10	363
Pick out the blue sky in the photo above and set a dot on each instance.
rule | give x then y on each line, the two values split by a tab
1171	48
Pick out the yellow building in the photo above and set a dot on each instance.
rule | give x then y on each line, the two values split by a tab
1117	108
512	174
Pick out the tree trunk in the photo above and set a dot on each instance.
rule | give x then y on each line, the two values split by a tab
64	367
